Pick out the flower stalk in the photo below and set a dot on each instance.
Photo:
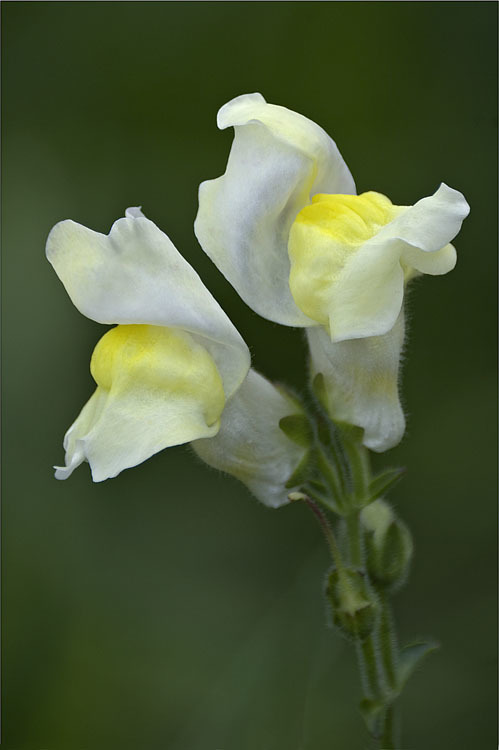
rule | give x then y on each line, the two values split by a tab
328	532
359	590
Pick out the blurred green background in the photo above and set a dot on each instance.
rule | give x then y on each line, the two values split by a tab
167	608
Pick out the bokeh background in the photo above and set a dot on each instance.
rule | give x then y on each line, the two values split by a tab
167	609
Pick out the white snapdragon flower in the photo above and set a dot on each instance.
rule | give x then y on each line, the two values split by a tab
285	227
172	369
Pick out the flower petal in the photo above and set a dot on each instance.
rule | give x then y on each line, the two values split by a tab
429	225
73	445
136	275
351	256
332	277
361	382
368	295
250	445
278	160
157	387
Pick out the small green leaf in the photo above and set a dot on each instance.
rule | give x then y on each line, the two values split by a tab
384	482
372	712
350	433
300	474
297	428
411	657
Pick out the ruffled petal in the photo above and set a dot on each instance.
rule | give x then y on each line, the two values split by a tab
429	225
278	160
136	275
250	445
157	387
369	293
351	256
361	379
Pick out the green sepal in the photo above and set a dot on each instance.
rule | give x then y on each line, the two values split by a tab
354	607
297	428
411	657
301	473
372	713
381	483
350	433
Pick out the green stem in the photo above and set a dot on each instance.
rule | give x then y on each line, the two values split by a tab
388	733
341	461
328	532
360	468
366	649
354	532
378	653
332	478
368	666
388	642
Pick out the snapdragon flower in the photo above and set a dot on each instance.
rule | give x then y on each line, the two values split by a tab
286	228
166	373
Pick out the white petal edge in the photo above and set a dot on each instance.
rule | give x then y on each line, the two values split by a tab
278	161
135	274
361	379
250	445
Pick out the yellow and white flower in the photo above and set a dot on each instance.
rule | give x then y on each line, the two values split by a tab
285	227
172	369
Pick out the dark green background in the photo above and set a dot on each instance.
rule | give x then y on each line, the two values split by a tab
167	608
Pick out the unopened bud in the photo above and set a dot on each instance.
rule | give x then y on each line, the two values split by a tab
354	606
388	545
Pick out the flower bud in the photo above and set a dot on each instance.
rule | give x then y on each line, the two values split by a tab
388	545
353	605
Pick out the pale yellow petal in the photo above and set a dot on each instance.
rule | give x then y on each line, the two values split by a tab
157	387
352	255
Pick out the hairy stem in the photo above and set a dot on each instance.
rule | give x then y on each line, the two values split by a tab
354	532
328	532
388	732
368	667
387	642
